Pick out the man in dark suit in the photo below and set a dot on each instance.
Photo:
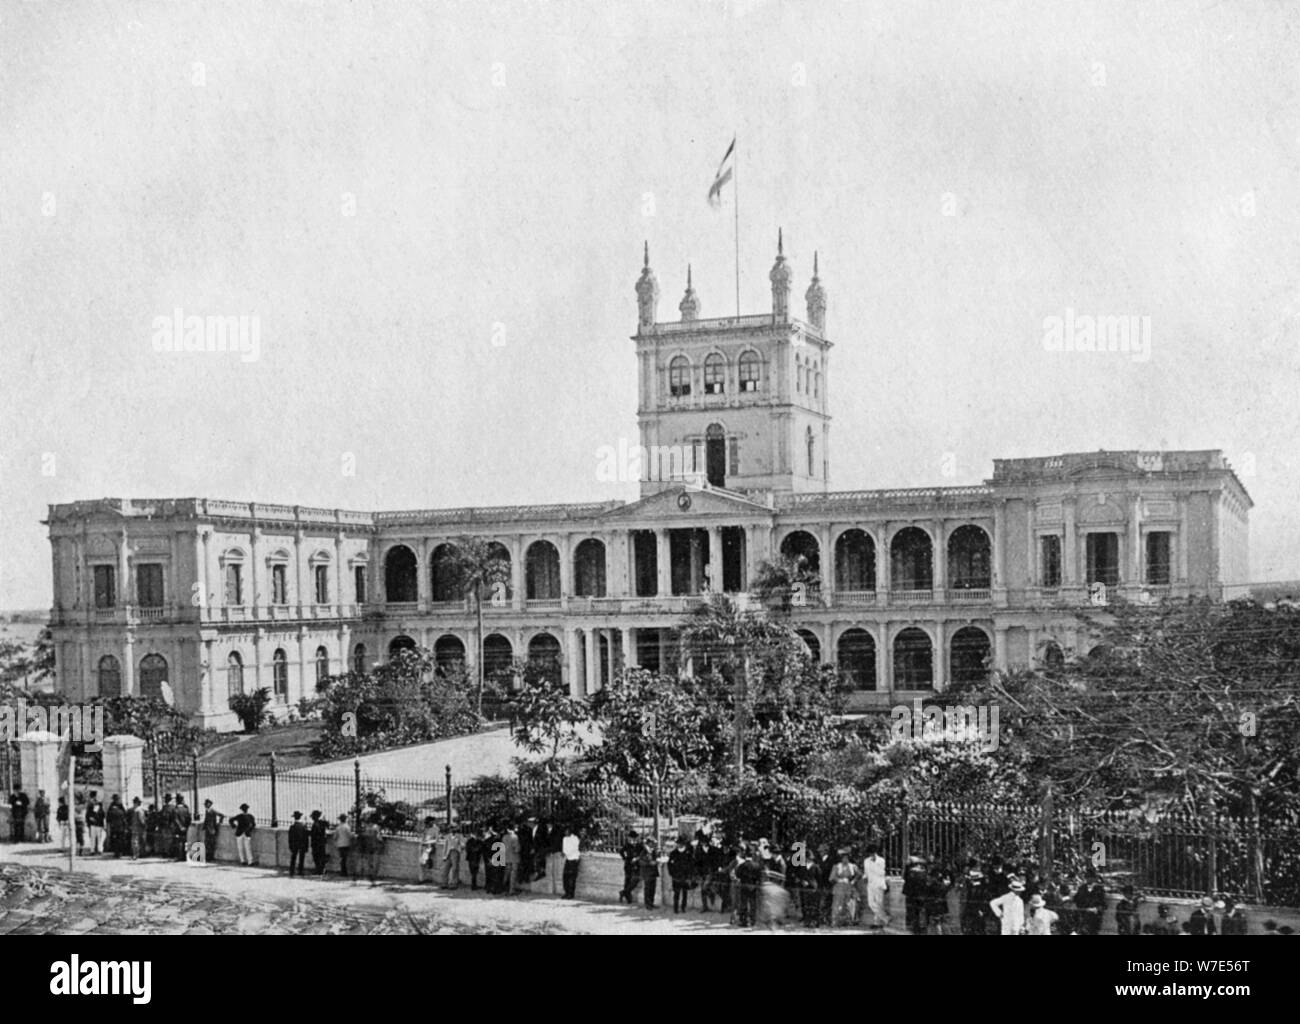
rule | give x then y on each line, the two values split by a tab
298	841
542	842
319	835
181	819
18	804
526	831
1090	903
212	819
630	851
474	849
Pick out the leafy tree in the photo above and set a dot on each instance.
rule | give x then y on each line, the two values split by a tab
250	708
549	721
1192	704
405	700
759	691
651	730
785	582
478	571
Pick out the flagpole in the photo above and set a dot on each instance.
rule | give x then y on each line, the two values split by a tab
735	182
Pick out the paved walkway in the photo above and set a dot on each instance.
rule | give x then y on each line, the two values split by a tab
150	896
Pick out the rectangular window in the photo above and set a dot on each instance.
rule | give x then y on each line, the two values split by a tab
279	584
360	576
1158	547
322	584
234	584
105	586
1049	560
733	447
149	585
1103	558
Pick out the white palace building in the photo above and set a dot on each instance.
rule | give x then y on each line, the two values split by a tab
918	587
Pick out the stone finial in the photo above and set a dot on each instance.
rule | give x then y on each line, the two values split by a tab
815	298
780	278
690	304
647	293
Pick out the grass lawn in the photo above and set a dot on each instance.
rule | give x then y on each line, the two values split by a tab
291	743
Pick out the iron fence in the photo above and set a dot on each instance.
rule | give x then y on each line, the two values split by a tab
1175	854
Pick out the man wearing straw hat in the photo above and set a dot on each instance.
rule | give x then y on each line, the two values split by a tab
1009	908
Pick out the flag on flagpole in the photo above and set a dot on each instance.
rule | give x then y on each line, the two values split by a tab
723	176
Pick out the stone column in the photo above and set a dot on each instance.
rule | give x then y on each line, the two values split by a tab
423	573
882	566
1031	554
302	668
827	544
715	559
1070	544
940	559
939	660
1181	539
299	597
517	572
208	700
885	658
1000	648
571	659
125	598
663	563
1135	541
124	767
38	756
566	568
999	552
629	648
695	581
128	666
592	667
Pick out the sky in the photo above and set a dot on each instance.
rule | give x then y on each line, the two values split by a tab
436	214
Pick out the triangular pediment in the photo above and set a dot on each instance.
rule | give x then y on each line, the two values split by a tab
687	502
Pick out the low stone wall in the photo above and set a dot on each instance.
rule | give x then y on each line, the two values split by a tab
600	877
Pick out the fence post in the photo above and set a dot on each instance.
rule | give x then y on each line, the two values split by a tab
447	773
275	819
907	837
1212	861
356	772
194	777
153	754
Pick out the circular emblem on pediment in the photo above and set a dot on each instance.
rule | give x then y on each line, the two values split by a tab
684	502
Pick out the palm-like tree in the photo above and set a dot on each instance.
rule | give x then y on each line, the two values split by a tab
477	570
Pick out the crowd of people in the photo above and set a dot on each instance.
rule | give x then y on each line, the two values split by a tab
752	883
761	884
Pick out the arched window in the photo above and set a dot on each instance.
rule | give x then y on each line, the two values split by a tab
359	659
153	673
679	377
798	373
715	371
814	646
448	653
322	666
969	559
589	569
401	642
542	572
913	660
442	570
968	657
399	575
855	561
802	544
856	658
817	383
715	455
498	659
1053	657
911	564
110	676
811	442
750	372
544	652
280	674
234	674
502	589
